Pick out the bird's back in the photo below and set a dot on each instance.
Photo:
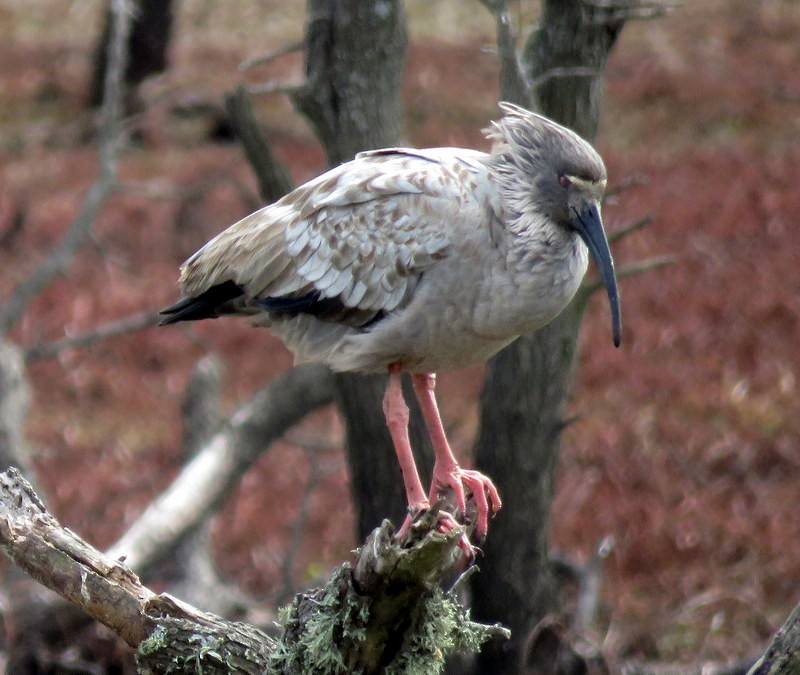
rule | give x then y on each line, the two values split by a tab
341	253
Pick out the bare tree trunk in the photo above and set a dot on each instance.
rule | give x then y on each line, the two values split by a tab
355	53
148	46
527	387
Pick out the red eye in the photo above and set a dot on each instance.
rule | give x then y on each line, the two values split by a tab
564	182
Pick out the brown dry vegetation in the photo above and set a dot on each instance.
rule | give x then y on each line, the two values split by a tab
686	444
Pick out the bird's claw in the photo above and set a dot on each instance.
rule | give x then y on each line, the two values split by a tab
445	523
484	493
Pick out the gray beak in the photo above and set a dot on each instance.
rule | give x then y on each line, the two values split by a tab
589	226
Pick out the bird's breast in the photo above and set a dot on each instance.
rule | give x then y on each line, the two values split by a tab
529	287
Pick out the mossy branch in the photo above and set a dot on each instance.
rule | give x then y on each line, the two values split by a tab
384	611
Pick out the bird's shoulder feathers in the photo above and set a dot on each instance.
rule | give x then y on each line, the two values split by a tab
361	233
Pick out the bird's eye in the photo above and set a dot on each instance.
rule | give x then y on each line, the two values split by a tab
564	181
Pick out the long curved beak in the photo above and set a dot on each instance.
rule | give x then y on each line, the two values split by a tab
588	224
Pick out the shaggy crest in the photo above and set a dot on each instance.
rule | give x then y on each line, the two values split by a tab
532	142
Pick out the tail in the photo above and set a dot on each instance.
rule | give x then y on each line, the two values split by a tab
207	305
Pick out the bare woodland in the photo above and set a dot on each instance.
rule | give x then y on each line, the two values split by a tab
391	608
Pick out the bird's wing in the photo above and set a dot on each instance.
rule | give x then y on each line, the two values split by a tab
349	245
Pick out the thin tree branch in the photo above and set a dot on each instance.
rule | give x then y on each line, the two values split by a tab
272	55
554	73
648	265
273	177
625	184
630	228
514	86
267	88
127	324
623	10
110	132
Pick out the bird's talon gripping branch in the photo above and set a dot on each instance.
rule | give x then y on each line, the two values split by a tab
484	493
446	524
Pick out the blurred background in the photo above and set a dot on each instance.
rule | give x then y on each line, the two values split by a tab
685	444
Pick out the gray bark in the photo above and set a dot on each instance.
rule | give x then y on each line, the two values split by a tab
783	654
273	178
525	395
14	404
355	53
381	612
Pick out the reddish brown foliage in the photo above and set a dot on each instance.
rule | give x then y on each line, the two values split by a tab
686	445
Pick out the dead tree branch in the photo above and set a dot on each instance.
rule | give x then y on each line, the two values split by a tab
630	228
783	655
273	178
58	559
14	403
588	288
384	611
111	329
110	133
514	87
272	55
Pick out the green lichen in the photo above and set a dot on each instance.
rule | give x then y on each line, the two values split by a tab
337	618
154	642
443	627
334	630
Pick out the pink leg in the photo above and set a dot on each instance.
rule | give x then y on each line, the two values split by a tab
446	471
396	412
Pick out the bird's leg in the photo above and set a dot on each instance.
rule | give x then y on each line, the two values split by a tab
446	471
396	412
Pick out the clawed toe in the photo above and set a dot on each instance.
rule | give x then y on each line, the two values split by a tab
445	523
486	497
484	494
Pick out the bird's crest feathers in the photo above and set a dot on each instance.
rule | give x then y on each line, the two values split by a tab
534	141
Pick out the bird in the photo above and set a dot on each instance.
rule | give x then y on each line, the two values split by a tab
418	261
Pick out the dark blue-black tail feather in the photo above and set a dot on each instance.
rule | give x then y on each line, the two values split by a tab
218	300
204	306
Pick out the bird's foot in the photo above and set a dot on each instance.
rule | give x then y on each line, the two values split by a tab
484	493
445	523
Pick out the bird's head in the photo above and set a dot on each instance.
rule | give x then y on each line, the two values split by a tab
548	170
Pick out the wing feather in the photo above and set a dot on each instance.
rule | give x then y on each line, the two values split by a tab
361	234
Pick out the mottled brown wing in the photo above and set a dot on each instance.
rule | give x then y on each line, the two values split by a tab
358	236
